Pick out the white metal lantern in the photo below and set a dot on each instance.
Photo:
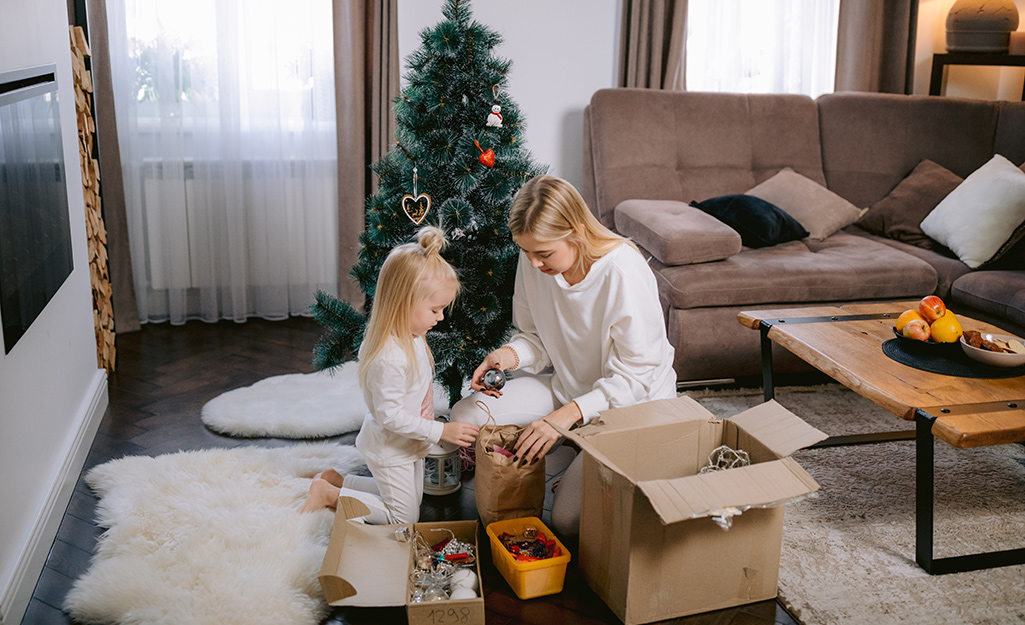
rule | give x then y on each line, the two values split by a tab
441	469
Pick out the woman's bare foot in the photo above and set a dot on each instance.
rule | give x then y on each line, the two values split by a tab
322	495
334	478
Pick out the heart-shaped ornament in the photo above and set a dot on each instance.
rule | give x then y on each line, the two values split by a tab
486	158
416	207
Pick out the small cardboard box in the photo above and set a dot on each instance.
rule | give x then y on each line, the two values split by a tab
649	545
368	566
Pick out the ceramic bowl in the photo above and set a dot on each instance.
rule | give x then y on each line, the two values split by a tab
993	359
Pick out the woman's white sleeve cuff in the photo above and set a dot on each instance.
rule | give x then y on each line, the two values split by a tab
591	403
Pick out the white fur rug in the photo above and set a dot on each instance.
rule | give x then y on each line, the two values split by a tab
848	553
211	537
297	405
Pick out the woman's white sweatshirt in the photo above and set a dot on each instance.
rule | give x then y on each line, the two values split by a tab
605	337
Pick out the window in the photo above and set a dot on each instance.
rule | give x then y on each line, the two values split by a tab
762	46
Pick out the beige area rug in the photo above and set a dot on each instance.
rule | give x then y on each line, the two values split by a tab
848	552
211	537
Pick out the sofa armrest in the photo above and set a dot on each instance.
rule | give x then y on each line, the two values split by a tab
676	233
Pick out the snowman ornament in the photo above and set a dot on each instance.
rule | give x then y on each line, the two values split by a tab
495	117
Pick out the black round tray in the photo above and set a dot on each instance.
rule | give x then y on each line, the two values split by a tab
944	358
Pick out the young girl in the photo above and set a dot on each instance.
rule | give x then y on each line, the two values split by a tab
585	304
396	373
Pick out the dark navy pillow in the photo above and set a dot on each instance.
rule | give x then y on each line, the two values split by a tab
759	223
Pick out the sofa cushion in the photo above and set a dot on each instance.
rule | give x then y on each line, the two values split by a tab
815	207
671	145
675	233
844	267
759	223
948	267
871	140
899	215
984	216
999	293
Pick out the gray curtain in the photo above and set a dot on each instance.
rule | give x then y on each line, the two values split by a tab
119	256
366	81
875	44
652	44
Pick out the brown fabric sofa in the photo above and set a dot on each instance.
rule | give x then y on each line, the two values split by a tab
648	153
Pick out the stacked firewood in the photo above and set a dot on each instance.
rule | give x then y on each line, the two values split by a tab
96	232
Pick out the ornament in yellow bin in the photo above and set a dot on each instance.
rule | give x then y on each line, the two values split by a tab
946	329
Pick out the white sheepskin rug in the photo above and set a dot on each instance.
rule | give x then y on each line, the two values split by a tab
209	537
297	405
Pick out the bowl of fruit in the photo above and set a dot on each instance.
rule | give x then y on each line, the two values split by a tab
931	323
995	350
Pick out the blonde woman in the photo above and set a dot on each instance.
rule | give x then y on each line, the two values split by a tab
396	373
586	306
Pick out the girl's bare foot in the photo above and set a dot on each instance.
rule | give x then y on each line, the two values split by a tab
322	494
334	478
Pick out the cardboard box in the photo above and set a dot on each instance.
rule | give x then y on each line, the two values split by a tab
649	545
368	566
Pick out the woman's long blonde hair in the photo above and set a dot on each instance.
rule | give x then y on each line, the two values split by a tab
409	275
551	209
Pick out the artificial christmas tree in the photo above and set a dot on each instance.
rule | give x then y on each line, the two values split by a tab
458	161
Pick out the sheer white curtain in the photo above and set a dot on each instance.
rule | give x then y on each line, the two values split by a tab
762	46
226	119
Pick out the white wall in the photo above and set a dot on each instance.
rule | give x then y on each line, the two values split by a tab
51	392
561	52
964	81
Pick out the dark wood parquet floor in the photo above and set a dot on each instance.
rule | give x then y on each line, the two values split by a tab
164	376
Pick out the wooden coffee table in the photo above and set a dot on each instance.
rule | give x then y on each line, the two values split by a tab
844	342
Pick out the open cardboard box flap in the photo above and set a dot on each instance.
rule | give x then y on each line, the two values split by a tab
778	429
657	412
724	493
769	431
375	568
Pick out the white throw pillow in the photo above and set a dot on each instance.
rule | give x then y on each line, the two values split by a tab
815	207
981	214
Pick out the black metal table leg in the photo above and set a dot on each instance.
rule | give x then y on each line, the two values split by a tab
924	513
924	490
768	388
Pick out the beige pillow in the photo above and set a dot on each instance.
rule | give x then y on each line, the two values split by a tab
815	207
983	217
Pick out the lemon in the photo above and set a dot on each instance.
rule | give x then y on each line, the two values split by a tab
946	329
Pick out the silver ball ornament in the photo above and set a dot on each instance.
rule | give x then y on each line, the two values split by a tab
493	379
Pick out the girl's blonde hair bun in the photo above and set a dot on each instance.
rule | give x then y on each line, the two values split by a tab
431	239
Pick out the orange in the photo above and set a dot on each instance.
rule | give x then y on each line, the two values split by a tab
907	316
946	329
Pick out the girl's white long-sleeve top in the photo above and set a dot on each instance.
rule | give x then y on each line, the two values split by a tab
605	337
393	431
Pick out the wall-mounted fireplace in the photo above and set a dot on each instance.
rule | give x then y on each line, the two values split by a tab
35	232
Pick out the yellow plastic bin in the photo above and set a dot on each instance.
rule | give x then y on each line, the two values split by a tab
528	579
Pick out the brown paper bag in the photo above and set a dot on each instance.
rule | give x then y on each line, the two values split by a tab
504	489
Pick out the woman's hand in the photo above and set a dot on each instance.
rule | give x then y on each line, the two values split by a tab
502	358
539	437
462	434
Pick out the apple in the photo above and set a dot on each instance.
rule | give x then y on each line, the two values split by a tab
905	317
932	308
916	329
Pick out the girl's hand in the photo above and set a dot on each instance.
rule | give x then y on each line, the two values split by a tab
462	434
503	358
539	437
